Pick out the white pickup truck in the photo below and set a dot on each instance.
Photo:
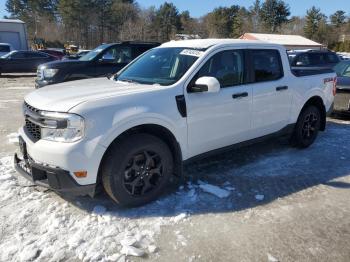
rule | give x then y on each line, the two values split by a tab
131	133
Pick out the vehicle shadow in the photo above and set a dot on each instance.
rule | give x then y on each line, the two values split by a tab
271	169
18	75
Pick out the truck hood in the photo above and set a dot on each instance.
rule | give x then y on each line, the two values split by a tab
64	96
58	64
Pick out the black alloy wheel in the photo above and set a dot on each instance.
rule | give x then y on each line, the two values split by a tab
143	173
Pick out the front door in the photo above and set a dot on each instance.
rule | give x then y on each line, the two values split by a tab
216	120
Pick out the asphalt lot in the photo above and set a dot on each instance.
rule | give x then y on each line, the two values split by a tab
284	204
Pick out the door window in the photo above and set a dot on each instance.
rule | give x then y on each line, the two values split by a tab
302	60
4	48
332	58
35	55
118	55
267	65
227	67
317	58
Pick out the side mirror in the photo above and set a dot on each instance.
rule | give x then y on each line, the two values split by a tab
105	60
206	84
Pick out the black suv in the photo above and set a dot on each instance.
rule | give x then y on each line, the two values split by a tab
313	59
104	60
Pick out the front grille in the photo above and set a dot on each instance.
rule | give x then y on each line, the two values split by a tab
32	129
31	108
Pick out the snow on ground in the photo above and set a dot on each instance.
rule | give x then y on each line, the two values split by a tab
39	225
13	138
48	228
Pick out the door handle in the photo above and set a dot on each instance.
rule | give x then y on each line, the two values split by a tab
281	88
239	95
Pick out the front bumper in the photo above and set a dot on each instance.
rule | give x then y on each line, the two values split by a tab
56	179
43	82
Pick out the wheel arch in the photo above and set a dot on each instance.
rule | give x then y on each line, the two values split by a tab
318	102
152	129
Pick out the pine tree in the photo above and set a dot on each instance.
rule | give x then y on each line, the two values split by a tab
313	20
338	18
273	14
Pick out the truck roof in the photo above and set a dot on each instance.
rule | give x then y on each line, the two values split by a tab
11	21
206	43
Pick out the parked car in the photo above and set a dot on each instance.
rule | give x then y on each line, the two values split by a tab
175	103
342	98
77	55
5	48
104	60
23	61
56	53
315	59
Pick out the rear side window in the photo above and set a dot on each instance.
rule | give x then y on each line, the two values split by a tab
4	48
332	58
227	67
267	65
317	58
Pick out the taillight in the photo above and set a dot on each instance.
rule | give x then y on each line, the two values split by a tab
334	86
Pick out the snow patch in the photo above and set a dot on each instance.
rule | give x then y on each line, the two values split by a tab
214	190
259	197
13	138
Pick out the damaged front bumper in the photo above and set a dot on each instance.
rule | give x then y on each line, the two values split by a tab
53	178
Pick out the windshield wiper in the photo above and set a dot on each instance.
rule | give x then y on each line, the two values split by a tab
128	80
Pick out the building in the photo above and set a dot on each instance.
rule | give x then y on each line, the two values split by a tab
291	42
14	32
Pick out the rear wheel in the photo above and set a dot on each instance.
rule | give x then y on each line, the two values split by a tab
307	127
137	170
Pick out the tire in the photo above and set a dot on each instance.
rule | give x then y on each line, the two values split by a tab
137	170
307	127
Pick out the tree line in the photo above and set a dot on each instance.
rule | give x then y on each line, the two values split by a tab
88	23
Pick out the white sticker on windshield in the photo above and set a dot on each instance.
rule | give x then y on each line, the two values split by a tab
191	52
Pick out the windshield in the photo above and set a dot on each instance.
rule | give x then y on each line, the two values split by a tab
342	68
93	53
163	66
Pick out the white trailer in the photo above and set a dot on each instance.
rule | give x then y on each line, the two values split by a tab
14	32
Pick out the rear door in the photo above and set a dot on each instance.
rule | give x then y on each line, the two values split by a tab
216	120
272	96
34	59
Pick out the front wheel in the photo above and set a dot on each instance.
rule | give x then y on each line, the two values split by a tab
307	127
137	169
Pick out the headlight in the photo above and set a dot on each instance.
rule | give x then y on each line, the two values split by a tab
50	72
61	127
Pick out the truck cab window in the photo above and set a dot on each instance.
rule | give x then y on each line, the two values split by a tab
267	65
227	67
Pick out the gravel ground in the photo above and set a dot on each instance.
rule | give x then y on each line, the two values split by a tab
266	202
